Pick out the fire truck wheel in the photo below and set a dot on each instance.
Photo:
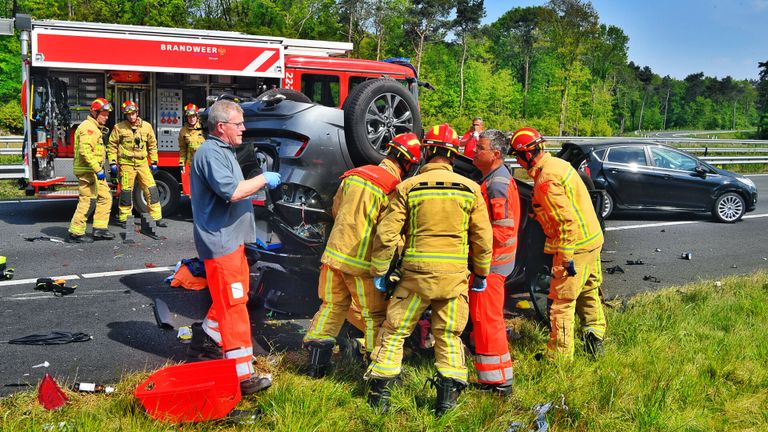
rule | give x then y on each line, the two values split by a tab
291	95
169	190
374	112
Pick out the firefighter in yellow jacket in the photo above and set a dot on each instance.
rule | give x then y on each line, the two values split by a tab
190	136
562	206
88	166
345	273
131	142
445	222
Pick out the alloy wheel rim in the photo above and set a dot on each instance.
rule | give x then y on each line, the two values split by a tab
385	117
730	208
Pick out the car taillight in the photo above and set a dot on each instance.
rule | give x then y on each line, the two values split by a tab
302	148
587	171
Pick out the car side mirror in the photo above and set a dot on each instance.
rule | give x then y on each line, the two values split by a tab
700	171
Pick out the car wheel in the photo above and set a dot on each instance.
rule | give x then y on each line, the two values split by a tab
729	207
290	94
374	112
607	204
168	189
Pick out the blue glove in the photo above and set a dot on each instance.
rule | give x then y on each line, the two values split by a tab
100	175
272	178
479	284
570	268
113	170
153	167
378	282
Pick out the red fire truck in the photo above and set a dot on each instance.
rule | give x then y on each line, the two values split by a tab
68	64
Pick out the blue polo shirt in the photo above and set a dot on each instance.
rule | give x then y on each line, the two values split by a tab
221	226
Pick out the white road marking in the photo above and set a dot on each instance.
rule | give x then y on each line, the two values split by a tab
661	224
28	281
92	275
47	295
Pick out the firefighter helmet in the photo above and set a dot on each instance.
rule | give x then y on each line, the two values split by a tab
526	140
406	147
129	107
443	136
101	104
190	109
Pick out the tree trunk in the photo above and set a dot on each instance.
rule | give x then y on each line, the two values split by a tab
525	87
666	105
420	53
461	73
563	106
642	109
734	115
592	112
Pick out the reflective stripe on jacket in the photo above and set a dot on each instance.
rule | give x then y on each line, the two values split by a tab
124	148
357	206
443	217
500	193
89	147
562	206
190	138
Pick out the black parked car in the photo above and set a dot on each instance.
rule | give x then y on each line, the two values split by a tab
642	175
310	146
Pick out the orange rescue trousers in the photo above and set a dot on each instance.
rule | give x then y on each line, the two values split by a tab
492	360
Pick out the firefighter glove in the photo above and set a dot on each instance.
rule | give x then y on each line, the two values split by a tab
100	175
570	268
153	167
113	169
380	284
272	179
479	284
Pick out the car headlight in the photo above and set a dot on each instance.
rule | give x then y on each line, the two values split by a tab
747	182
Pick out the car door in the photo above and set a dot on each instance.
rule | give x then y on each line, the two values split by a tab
676	181
625	169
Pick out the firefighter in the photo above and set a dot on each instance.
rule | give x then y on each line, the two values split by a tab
492	360
88	166
190	136
131	143
562	206
345	271
443	218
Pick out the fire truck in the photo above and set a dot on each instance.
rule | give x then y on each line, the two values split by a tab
66	64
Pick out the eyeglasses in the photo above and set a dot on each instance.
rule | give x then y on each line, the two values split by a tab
237	124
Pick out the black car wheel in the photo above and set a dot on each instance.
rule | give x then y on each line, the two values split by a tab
607	208
291	95
729	207
168	189
374	112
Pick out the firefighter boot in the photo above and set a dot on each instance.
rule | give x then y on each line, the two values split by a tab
102	234
319	358
593	345
72	238
448	390
202	345
379	392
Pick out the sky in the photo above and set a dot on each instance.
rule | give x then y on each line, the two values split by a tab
681	37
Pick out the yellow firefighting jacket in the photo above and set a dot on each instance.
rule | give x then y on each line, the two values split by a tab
130	145
356	208
444	218
89	147
562	206
190	138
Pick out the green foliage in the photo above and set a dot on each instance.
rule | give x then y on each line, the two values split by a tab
10	117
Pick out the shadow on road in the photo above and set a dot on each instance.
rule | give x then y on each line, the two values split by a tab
147	337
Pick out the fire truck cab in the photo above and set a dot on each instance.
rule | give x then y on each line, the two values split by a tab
66	65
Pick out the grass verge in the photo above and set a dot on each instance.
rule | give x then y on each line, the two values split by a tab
687	358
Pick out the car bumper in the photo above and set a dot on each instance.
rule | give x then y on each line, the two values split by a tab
752	201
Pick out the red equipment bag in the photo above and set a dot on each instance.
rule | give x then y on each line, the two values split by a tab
191	392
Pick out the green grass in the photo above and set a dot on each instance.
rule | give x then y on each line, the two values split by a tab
684	359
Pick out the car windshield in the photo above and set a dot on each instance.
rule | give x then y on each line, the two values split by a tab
671	159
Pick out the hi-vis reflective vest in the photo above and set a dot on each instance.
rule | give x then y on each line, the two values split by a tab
190	139
130	145
357	205
562	205
503	201
443	216
89	147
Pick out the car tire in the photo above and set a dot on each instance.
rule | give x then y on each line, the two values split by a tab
729	207
290	94
608	205
170	193
374	112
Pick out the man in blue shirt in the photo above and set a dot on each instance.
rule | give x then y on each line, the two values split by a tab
223	217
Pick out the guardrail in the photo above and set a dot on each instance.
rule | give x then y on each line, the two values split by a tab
11	145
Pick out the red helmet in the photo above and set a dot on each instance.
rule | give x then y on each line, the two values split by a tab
101	104
442	136
190	109
407	146
129	107
526	140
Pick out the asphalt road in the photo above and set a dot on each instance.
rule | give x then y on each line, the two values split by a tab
117	284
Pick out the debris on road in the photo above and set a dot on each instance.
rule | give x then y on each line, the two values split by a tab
614	269
184	334
52	338
45	238
49	394
686	256
162	315
523	304
657	250
58	287
85	387
635	262
651	278
44	364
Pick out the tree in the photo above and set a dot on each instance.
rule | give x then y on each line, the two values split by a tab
762	100
468	16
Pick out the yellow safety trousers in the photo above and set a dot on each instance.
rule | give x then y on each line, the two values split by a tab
449	317
578	294
143	177
338	291
90	190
